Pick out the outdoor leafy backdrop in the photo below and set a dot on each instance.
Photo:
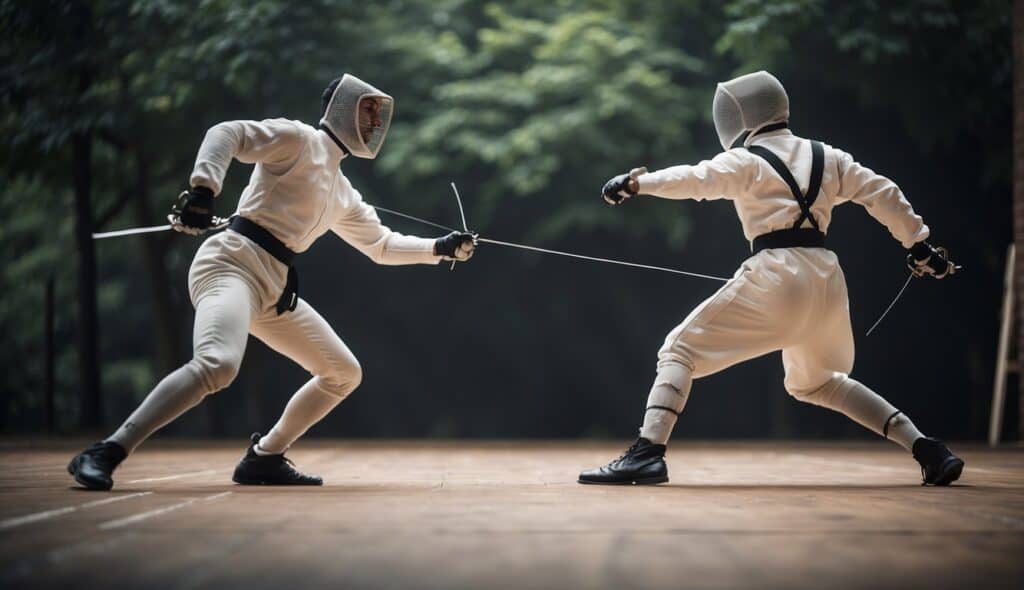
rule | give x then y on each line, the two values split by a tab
529	107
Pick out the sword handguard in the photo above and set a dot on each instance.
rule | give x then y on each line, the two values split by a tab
174	218
919	269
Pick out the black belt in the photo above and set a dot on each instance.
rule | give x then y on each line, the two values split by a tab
276	248
805	237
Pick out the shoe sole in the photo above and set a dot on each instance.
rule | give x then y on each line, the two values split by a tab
263	482
951	470
87	483
647	481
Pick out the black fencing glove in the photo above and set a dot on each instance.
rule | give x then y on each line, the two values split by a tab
622	187
193	214
456	246
924	259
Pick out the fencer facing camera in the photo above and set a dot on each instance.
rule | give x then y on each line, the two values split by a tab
357	115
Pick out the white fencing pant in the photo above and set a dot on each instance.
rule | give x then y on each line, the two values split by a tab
231	301
789	299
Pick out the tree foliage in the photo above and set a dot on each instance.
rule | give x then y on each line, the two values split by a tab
530	106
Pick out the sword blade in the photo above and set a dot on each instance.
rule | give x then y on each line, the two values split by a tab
130	232
886	312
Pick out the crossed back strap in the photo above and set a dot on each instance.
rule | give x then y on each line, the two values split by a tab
817	168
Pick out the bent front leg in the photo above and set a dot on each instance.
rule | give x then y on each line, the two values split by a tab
305	337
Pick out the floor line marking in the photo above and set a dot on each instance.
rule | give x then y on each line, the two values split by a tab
16	521
127	520
170	477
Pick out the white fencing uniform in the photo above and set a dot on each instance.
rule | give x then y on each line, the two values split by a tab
788	299
296	192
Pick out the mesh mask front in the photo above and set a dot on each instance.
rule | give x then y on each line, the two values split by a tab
342	117
746	104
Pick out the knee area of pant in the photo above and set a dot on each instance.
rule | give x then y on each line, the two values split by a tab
821	393
217	371
342	379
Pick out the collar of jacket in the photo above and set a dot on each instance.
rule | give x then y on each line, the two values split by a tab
335	144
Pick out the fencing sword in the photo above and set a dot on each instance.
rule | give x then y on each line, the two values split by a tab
218	223
915	272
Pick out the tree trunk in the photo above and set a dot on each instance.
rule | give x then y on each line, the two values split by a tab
155	263
1018	180
90	402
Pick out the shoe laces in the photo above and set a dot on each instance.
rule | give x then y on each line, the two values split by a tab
632	449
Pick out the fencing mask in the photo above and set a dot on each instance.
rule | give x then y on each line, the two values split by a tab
744	105
358	116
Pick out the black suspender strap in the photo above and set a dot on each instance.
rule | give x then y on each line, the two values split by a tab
276	248
813	187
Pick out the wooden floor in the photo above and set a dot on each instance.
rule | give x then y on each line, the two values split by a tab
488	515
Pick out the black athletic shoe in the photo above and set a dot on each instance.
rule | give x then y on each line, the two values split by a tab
93	467
939	467
642	463
270	470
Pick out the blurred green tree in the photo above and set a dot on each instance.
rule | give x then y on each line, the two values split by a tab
529	105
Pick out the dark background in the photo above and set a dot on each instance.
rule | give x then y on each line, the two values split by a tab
529	108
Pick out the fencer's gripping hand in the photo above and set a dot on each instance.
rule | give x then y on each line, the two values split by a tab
193	214
622	187
926	260
457	245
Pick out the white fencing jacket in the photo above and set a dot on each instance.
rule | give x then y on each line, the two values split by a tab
764	202
297	191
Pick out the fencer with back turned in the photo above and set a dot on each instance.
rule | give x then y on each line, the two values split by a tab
790	295
242	280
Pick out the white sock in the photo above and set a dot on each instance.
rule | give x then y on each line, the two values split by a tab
256	449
